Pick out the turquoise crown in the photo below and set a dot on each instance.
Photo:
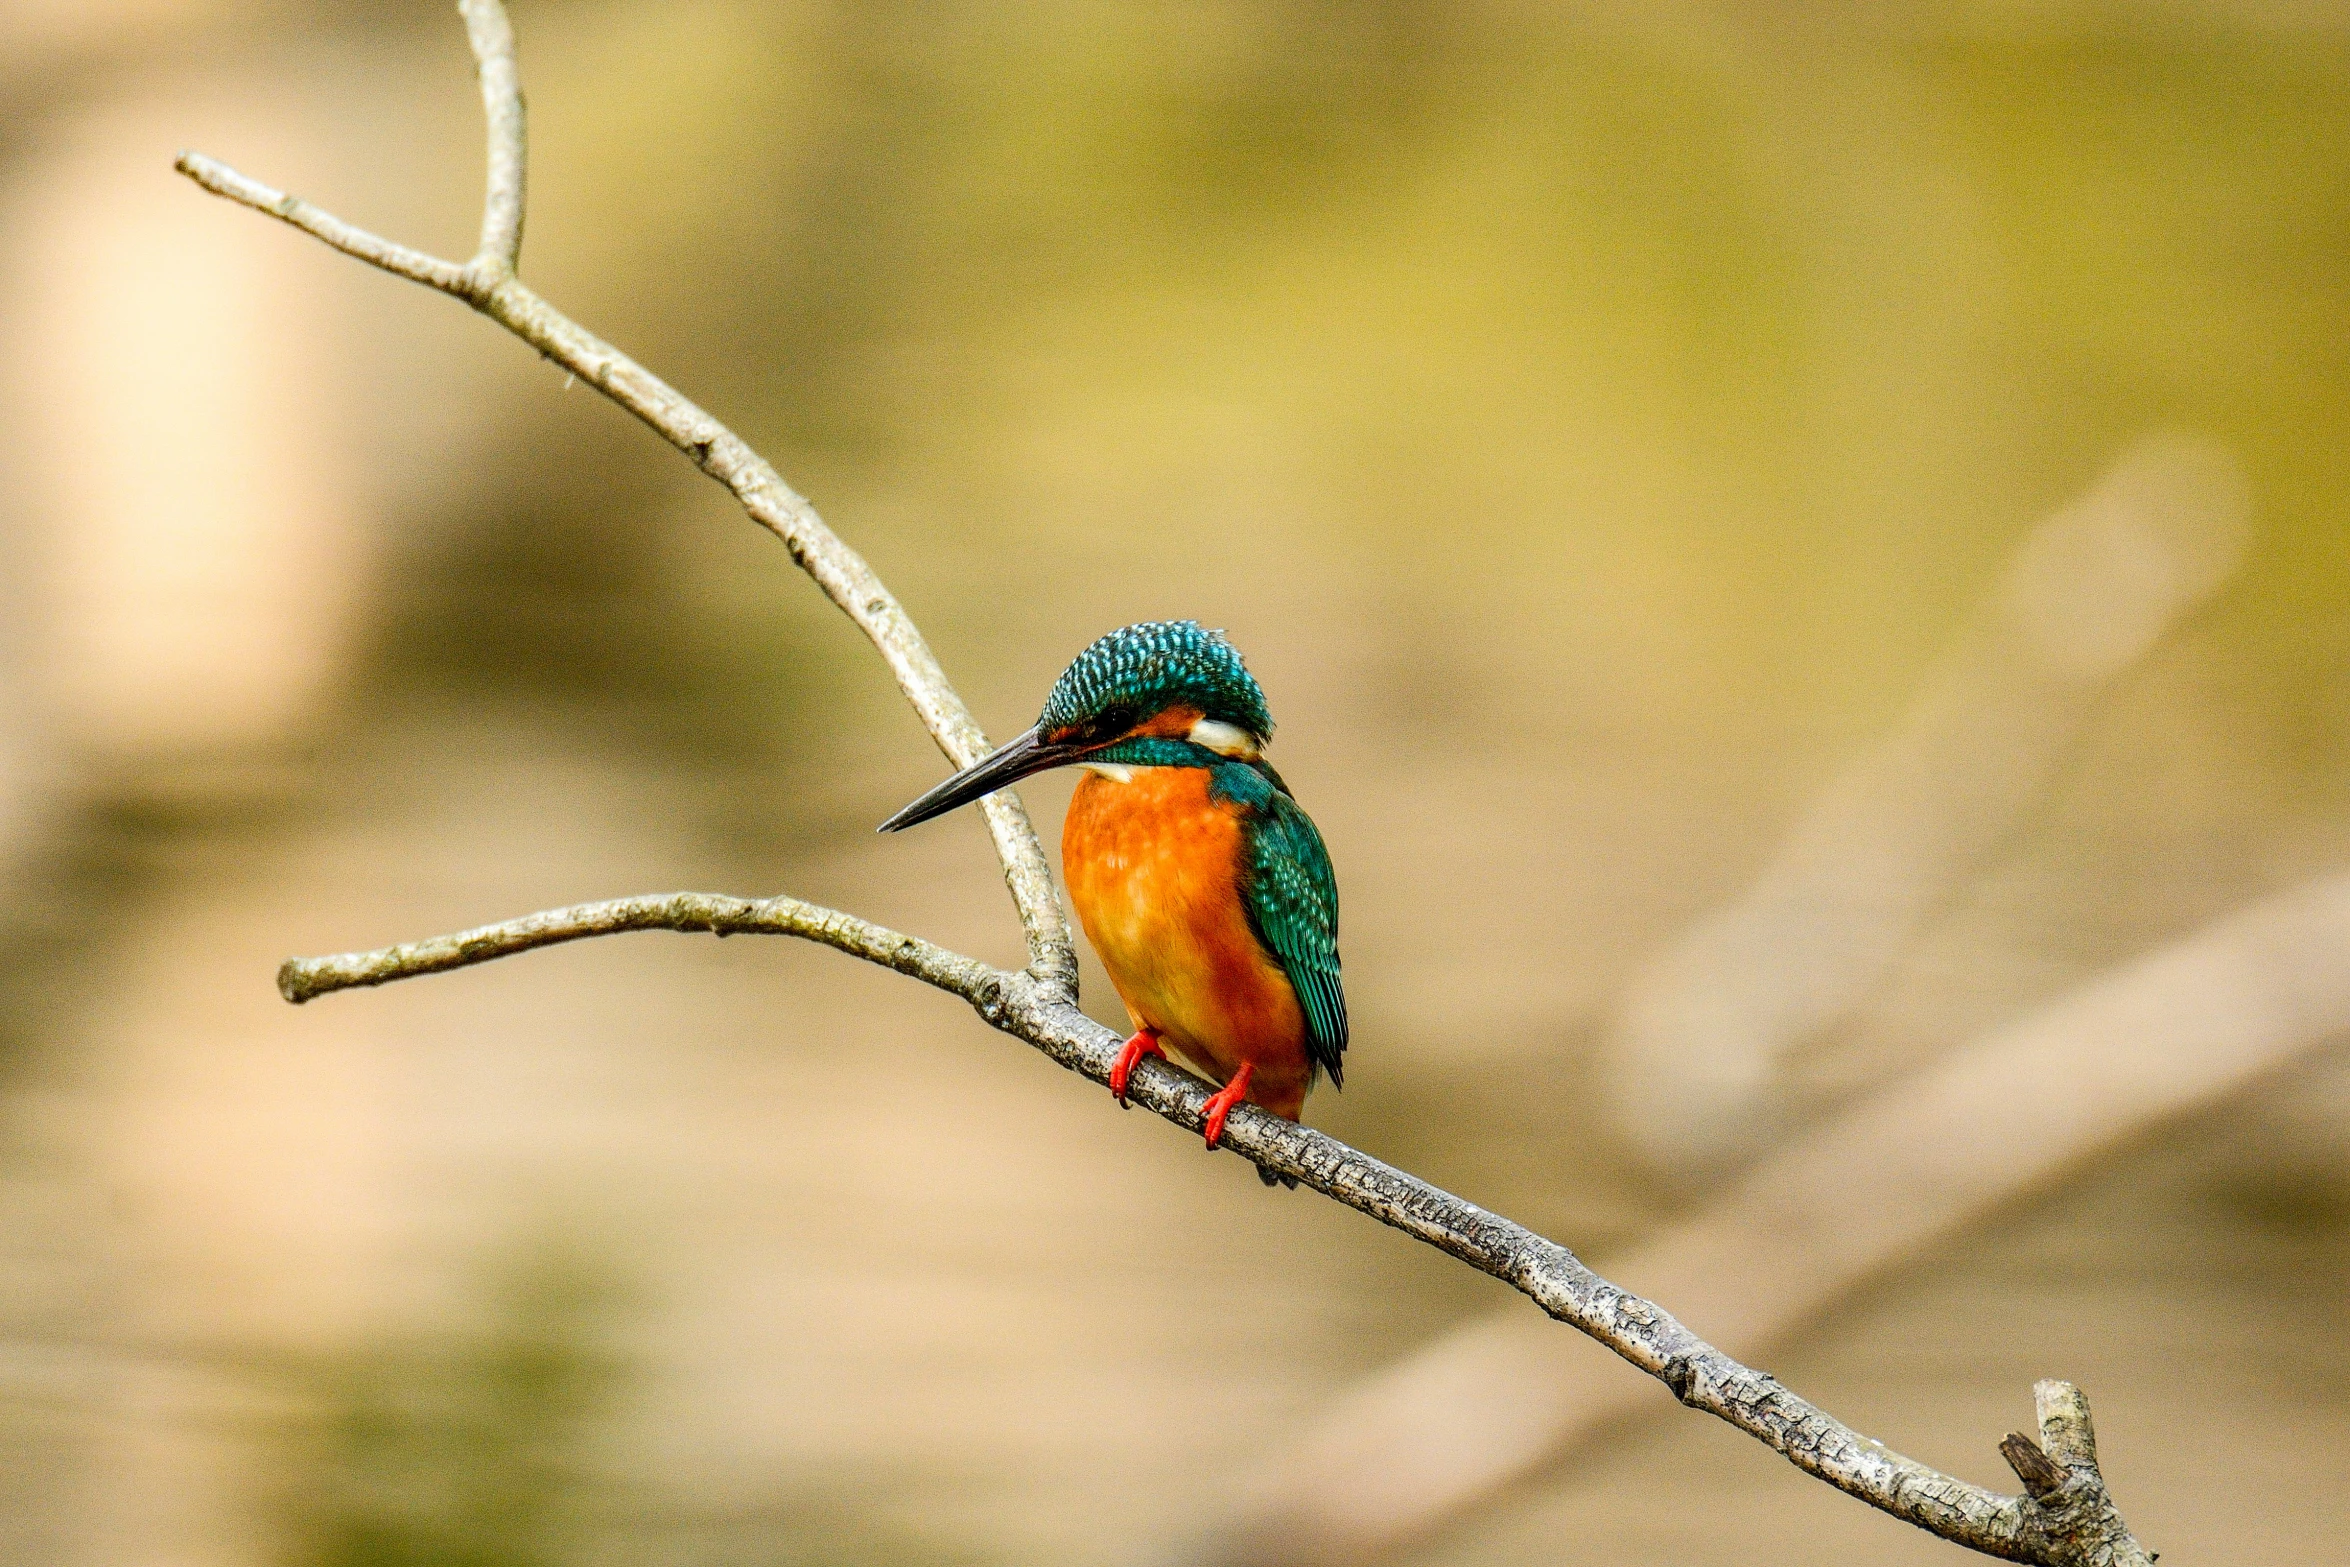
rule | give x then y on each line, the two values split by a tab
1141	670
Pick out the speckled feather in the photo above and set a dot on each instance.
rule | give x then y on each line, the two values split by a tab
1291	895
1286	887
1143	669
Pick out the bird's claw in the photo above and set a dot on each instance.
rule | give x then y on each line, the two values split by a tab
1220	1106
1144	1043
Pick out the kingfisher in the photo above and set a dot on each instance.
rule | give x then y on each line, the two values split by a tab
1202	885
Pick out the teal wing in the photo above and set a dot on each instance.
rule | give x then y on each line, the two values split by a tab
1292	899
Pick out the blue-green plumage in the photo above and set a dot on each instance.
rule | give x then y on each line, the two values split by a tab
1137	671
1202	895
1291	896
1287	885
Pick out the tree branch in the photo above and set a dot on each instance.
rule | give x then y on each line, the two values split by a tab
2138	1045
2054	1531
376	251
492	37
301	979
2072	1526
2070	1510
489	285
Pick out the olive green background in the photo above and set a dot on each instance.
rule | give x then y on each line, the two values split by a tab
1592	422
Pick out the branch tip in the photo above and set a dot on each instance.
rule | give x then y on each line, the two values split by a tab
2066	1429
351	240
2033	1467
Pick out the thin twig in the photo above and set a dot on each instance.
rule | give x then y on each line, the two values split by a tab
1039	1004
839	570
492	37
302	979
376	251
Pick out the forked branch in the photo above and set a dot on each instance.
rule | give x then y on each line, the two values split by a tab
2063	1519
489	285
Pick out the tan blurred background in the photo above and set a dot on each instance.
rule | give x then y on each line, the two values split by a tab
1641	448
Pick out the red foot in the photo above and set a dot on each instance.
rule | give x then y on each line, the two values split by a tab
1230	1095
1144	1043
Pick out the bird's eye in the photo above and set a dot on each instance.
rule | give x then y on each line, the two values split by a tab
1114	721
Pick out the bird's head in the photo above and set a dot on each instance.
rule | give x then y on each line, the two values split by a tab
1161	680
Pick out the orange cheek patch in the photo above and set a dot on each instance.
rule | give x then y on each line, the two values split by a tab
1173	724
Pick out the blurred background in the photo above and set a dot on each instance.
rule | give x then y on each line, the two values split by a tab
1784	540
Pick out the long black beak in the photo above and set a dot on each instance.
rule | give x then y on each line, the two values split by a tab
1015	761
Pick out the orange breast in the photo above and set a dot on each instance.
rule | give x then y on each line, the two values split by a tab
1152	866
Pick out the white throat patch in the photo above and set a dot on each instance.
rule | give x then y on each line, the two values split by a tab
1224	739
1116	772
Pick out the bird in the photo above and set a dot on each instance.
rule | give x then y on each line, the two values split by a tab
1203	886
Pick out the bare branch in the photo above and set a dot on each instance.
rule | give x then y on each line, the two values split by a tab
492	36
2139	1045
301	979
2064	1424
2069	1498
2033	1528
2074	1517
2014	1528
221	180
1039	1004
490	287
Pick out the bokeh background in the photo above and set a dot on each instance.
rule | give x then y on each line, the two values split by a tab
1602	427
